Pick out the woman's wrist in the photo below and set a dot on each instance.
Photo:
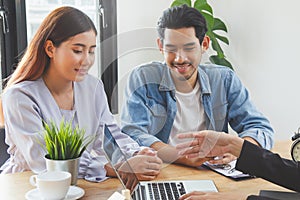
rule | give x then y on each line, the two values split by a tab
110	170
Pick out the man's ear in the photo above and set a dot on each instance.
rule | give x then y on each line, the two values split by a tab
49	48
205	43
160	45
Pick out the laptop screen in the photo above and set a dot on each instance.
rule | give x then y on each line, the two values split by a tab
145	189
115	155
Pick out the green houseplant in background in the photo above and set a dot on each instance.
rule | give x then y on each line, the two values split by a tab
214	25
64	146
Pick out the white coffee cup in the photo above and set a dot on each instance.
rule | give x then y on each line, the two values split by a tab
52	184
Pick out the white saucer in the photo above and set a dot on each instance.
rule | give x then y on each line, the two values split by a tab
74	192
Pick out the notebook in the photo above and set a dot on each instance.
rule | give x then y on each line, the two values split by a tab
148	190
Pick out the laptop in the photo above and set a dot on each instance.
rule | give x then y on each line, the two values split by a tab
151	190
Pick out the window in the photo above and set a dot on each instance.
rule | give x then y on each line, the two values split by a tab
37	10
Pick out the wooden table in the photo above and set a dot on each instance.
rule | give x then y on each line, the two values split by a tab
15	186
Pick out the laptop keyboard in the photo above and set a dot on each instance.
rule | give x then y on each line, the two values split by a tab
166	191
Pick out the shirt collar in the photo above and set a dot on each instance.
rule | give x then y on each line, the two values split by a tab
167	83
204	81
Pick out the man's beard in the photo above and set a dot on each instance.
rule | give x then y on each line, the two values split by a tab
185	78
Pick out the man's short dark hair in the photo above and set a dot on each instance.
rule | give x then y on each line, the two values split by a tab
182	17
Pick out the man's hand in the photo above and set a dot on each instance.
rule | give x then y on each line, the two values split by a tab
192	162
166	152
210	144
170	154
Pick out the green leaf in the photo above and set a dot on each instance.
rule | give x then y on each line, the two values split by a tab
209	20
65	142
62	150
181	2
220	61
222	38
219	25
213	24
56	149
216	46
201	6
200	2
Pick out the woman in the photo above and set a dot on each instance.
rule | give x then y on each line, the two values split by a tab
268	165
52	82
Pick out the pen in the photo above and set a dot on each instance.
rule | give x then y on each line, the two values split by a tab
224	166
231	171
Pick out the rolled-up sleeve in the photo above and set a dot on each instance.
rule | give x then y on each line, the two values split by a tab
244	117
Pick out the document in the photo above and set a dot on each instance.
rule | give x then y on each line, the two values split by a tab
228	170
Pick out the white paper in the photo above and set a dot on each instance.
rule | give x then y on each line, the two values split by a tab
116	196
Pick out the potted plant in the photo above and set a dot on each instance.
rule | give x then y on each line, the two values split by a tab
214	25
64	146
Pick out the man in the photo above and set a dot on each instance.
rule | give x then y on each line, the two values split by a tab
180	95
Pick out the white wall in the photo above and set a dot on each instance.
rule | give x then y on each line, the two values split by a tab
263	50
137	36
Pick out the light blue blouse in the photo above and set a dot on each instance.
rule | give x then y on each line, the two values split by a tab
28	103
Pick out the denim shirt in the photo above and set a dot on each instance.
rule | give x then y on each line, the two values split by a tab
150	105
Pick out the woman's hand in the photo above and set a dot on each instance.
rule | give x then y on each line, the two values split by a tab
213	196
224	159
146	166
147	151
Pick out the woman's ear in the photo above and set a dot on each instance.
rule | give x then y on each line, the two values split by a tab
49	48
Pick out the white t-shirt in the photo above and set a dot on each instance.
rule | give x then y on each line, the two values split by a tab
189	116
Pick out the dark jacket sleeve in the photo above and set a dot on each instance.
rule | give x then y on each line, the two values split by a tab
254	197
269	166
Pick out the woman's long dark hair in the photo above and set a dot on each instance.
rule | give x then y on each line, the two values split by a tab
61	24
